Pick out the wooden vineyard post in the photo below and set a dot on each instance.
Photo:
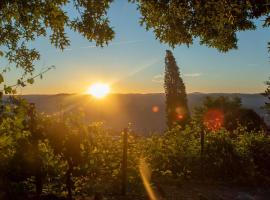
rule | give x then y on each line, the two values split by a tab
124	162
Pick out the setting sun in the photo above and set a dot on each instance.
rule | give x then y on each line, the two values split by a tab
99	90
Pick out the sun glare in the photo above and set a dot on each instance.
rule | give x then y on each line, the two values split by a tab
99	90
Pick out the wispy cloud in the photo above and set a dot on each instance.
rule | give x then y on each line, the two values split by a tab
252	64
60	51
115	43
67	49
193	75
138	70
110	44
159	78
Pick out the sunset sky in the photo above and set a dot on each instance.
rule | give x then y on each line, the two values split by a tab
134	61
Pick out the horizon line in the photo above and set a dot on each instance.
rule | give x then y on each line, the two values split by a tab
132	93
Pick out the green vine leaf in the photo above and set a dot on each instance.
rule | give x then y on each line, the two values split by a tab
30	80
1	78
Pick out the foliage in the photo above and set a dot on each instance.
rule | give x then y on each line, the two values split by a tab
175	153
175	91
240	156
26	156
75	158
267	94
221	111
214	22
254	151
22	22
221	156
80	159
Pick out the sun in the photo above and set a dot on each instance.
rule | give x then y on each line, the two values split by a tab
99	90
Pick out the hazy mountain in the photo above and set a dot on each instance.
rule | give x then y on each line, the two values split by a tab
117	110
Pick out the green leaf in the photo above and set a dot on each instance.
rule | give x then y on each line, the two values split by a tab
7	89
30	80
13	91
1	78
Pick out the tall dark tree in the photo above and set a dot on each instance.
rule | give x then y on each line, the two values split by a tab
267	94
176	97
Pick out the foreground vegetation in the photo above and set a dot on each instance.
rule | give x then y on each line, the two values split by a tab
60	155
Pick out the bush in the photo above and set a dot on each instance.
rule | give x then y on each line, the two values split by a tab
254	149
222	160
176	153
240	156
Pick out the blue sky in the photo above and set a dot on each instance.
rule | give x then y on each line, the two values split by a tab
134	61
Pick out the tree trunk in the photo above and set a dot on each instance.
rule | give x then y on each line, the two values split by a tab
39	185
69	182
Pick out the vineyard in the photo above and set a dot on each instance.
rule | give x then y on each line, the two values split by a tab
62	156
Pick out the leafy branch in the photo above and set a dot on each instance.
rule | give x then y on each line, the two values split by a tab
11	89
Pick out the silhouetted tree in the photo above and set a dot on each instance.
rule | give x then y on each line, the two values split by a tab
26	162
227	113
267	94
36	136
66	137
176	97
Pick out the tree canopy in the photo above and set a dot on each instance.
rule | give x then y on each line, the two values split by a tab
213	22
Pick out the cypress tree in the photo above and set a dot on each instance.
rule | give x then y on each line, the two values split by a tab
175	91
267	94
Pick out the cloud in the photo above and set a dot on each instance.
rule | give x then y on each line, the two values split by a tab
67	49
61	51
159	78
115	43
193	75
110	44
87	47
252	64
138	70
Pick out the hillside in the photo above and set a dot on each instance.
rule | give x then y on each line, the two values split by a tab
117	110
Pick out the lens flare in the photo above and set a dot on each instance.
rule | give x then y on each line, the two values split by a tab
155	109
145	172
180	117
213	119
179	113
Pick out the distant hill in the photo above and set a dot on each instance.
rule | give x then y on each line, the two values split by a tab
117	110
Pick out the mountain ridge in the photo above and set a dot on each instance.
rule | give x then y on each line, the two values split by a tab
118	110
